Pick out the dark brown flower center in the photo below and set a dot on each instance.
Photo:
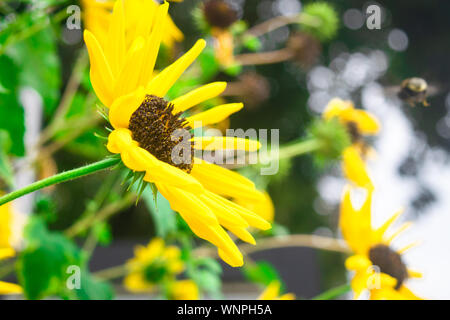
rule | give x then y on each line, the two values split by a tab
219	13
305	48
162	133
353	131
389	262
356	137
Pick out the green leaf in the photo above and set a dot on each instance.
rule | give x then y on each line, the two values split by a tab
163	215
210	264
208	281
6	171
252	43
39	66
233	70
3	89
261	272
93	289
208	64
103	233
12	117
277	230
43	266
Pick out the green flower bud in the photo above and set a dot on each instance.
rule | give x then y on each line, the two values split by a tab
320	19
333	138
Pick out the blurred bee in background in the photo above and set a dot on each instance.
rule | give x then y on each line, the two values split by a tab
414	90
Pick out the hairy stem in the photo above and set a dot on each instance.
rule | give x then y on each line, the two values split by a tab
299	148
61	177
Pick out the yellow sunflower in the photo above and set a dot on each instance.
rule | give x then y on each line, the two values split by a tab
377	266
97	15
152	265
184	290
6	250
145	125
359	123
272	292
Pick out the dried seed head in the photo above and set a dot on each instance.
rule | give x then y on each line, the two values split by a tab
305	48
219	13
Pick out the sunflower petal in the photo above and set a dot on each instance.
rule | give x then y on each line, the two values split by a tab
358	263
122	108
214	115
10	288
115	46
101	75
196	96
226	143
355	169
153	44
160	84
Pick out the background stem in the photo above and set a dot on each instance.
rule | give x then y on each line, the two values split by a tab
333	293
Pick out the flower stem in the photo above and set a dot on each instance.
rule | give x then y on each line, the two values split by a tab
113	272
299	148
333	293
281	21
61	177
101	215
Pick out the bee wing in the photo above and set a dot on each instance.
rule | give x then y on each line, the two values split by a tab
433	90
391	90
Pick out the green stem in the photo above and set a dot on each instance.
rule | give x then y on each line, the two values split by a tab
101	215
61	177
113	272
299	148
333	293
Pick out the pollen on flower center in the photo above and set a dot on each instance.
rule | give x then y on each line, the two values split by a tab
389	262
153	126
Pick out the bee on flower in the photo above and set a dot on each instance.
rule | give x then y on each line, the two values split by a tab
145	126
377	266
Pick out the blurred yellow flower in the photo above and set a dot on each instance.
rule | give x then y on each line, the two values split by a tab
378	268
220	16
6	219
184	290
97	16
223	46
152	265
359	123
6	250
272	292
145	124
